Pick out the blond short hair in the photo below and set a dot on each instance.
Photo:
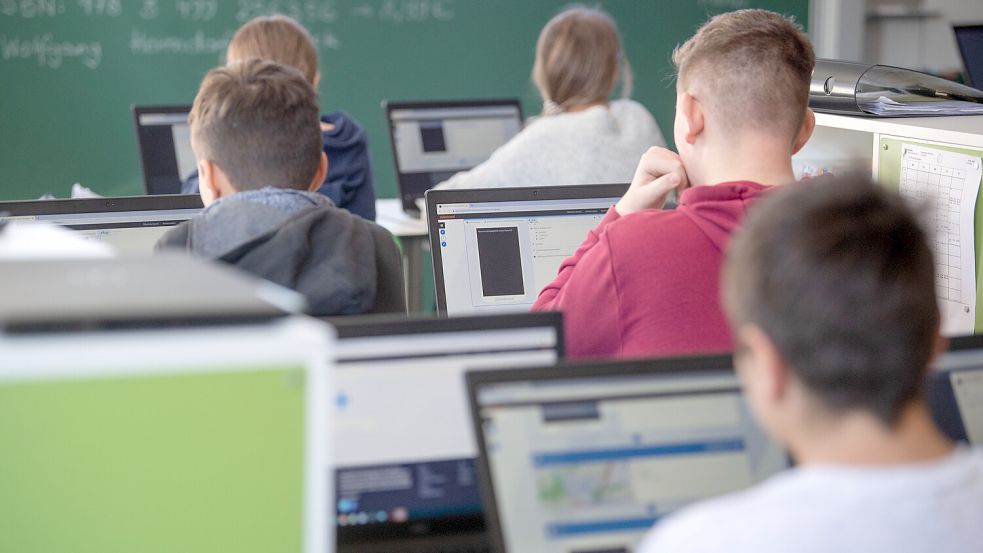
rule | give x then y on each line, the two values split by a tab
277	38
578	58
751	69
259	122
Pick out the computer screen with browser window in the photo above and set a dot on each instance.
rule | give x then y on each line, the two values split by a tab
589	457
495	249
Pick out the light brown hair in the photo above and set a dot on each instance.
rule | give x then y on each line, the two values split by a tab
578	58
750	69
259	122
839	275
277	38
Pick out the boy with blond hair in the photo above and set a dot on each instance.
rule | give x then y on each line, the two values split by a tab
645	280
255	132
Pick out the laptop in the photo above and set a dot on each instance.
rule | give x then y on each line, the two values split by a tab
495	249
164	290
434	140
970	41
589	457
132	225
955	390
406	478
166	439
164	138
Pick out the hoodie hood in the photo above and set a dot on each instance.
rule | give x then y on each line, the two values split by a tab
719	210
345	135
296	239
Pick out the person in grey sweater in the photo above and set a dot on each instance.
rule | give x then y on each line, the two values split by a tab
256	133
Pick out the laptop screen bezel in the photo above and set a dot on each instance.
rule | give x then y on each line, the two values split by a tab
145	110
116	204
395	325
523	194
391	106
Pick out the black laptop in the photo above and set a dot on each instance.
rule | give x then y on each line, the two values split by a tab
402	444
432	141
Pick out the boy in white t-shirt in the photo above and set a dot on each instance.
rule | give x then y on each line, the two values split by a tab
830	291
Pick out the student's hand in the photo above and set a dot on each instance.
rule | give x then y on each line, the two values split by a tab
659	172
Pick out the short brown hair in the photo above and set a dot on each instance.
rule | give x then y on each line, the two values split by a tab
751	69
277	38
578	56
839	275
259	122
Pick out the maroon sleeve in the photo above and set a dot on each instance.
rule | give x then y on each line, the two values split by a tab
585	290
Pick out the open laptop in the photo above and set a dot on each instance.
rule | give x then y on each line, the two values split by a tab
406	477
432	141
164	138
955	390
589	457
495	249
970	41
131	224
166	439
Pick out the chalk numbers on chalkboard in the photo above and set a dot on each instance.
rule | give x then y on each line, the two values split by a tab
323	11
101	8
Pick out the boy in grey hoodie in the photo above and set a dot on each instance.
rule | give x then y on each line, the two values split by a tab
256	132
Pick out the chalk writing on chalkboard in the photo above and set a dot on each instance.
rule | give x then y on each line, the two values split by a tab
50	52
322	16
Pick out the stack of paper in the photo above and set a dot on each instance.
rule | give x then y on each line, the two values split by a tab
886	106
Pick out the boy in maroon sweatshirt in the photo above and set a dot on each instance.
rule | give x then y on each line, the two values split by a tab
646	281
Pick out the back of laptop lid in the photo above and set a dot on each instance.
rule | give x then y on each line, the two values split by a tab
132	291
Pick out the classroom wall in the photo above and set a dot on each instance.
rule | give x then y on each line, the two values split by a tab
71	69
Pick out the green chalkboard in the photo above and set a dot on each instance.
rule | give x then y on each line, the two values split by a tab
889	175
70	69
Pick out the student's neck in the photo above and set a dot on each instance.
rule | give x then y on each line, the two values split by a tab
748	159
861	439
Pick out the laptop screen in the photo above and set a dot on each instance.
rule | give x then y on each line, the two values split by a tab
405	458
192	440
955	391
164	138
434	140
494	250
131	225
970	40
590	459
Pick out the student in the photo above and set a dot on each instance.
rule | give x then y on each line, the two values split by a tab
645	280
255	132
581	137
283	40
830	290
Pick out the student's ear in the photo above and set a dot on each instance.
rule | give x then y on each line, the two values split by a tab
317	80
693	117
808	125
322	172
208	186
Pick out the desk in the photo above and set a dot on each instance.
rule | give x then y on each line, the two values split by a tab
413	236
